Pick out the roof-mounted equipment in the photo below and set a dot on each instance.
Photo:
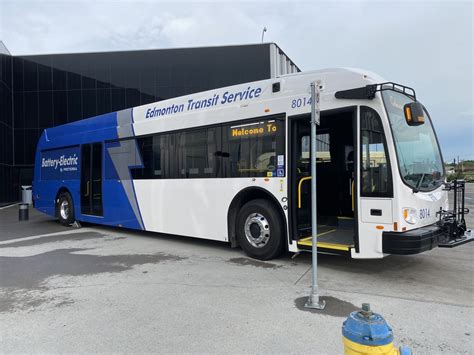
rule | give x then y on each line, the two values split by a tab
368	92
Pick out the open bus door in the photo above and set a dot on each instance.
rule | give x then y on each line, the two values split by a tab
376	188
336	189
91	179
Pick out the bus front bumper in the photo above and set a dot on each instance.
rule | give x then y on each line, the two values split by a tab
420	240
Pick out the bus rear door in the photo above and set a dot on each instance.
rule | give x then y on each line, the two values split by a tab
91	179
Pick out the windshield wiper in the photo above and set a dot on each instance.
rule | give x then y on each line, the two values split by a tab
418	184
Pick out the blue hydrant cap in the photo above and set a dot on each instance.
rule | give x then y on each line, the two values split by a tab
367	329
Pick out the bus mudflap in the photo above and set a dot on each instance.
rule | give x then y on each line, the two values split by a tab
452	222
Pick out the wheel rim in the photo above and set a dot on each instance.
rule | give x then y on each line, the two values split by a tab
64	209
257	230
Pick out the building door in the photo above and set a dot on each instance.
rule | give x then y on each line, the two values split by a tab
91	179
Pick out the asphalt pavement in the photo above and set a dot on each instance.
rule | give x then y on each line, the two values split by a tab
99	289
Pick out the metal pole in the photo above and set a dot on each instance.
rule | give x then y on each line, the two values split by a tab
263	32
313	299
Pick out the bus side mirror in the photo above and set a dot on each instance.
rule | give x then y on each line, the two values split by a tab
414	114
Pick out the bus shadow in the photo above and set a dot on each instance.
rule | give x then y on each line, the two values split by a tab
395	264
391	264
163	236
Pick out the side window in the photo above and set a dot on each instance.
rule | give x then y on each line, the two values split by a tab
305	147
323	145
376	179
190	154
156	157
164	166
145	146
197	153
303	162
254	149
323	152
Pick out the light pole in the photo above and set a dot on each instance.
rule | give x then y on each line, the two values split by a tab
313	300
263	32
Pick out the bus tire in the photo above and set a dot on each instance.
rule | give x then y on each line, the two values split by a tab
260	230
65	209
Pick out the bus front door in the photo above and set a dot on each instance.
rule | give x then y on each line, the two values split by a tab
302	176
91	179
334	181
376	189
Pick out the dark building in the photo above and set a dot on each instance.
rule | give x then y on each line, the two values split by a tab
41	91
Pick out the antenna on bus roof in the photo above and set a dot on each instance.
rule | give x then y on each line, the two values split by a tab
263	32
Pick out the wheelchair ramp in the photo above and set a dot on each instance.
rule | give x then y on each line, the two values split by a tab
330	238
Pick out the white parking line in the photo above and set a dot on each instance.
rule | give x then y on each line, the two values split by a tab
5	207
11	241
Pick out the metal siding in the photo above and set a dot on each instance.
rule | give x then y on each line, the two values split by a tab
47	90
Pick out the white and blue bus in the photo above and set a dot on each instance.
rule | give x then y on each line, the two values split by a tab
233	165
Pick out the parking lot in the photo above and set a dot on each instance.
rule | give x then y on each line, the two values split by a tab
98	289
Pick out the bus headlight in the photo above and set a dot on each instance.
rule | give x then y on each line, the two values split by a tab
409	215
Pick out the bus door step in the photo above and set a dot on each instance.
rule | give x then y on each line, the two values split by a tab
332	240
345	222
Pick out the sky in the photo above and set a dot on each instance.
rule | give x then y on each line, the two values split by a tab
427	45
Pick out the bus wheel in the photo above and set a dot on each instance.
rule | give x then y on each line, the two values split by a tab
65	209
260	230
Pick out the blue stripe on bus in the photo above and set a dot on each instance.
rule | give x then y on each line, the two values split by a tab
118	193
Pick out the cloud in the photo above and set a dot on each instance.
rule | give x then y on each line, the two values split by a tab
425	44
469	113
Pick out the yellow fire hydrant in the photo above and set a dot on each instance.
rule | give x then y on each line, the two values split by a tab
365	332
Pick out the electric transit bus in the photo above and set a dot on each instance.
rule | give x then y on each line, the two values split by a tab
233	164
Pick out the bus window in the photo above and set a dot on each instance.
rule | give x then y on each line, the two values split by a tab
162	166
157	158
323	145
323	152
255	149
375	172
305	147
303	162
196	153
187	154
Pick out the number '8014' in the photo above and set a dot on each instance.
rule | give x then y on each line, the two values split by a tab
424	213
302	101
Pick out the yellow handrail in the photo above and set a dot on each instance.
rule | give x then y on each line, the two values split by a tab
299	189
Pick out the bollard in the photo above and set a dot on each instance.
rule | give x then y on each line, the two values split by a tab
23	212
365	332
26	194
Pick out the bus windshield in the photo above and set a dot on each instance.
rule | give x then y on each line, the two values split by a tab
418	153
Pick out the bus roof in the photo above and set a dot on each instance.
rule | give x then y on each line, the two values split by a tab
104	127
